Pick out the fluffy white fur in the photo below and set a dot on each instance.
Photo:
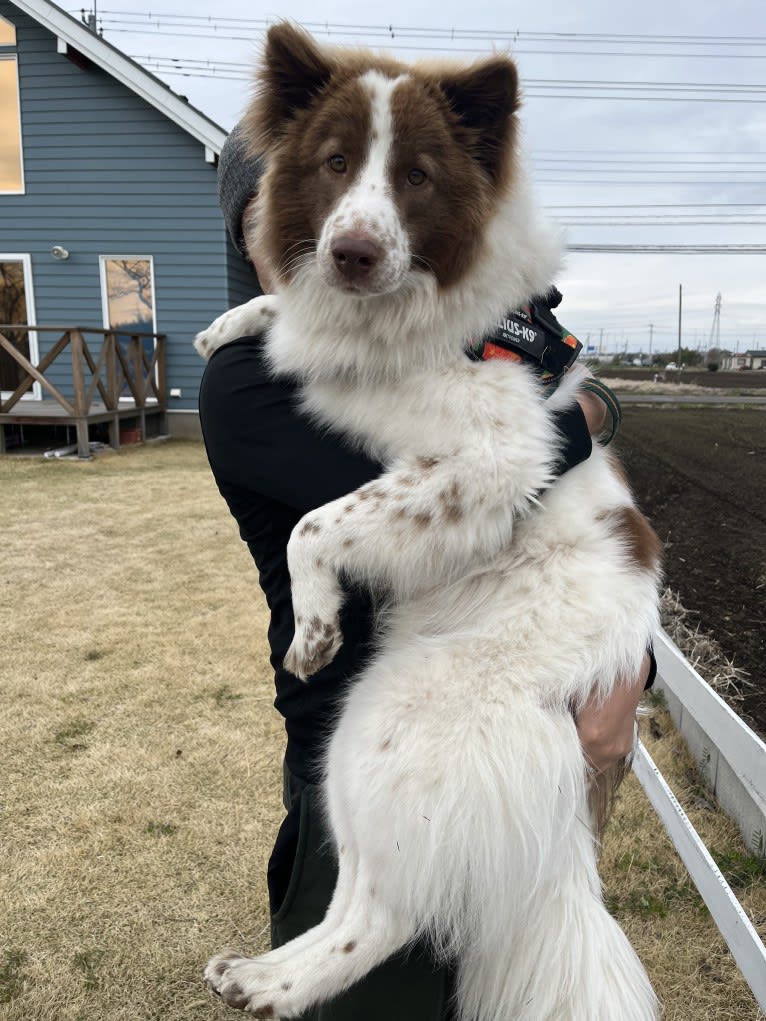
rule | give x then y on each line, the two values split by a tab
456	788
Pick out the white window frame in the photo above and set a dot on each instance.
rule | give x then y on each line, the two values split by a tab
102	261
35	392
7	55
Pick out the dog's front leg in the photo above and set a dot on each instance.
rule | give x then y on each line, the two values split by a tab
317	599
422	524
245	320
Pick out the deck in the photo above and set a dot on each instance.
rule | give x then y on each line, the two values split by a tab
116	366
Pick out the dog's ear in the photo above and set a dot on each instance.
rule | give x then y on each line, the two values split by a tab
294	70
485	97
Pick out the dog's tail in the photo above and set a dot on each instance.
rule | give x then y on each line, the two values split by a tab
567	960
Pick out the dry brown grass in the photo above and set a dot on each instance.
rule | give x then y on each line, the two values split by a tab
673	388
140	756
702	651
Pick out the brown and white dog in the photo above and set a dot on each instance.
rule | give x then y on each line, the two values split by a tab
397	214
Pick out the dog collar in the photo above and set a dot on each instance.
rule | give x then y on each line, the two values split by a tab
527	335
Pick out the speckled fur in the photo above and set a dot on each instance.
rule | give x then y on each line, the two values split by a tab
455	783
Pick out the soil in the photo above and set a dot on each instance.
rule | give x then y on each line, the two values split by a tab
700	476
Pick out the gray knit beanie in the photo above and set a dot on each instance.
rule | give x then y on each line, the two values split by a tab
238	177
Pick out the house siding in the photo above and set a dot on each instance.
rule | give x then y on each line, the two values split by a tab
108	174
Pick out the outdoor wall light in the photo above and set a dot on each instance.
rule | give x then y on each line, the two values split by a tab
60	253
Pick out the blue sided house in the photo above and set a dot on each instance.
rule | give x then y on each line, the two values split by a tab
113	252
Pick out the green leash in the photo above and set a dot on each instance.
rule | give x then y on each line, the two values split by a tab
600	389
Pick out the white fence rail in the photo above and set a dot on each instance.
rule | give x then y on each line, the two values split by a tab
730	756
735	927
733	760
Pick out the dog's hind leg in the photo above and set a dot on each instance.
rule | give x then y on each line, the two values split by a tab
321	963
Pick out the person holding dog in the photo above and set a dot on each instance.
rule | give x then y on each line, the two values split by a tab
272	466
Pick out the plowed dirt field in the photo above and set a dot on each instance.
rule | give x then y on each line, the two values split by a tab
700	476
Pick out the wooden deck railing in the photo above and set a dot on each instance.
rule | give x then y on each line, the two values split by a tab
122	362
113	364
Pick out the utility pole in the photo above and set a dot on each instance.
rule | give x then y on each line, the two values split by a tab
651	333
91	19
678	359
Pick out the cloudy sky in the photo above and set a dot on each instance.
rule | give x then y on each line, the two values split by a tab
646	125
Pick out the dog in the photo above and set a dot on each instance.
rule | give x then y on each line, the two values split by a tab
397	213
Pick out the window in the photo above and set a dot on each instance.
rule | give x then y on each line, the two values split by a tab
127	295
11	167
7	33
16	306
127	288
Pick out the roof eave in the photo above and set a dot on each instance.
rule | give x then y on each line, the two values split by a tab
128	72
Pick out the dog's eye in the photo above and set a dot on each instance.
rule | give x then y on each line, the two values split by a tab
416	177
337	163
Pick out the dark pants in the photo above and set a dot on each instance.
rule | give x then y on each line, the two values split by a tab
302	874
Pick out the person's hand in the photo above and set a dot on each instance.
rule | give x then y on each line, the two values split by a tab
595	411
606	726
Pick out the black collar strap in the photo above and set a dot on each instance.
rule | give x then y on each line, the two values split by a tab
532	335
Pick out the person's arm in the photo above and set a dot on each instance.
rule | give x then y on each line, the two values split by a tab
258	443
606	726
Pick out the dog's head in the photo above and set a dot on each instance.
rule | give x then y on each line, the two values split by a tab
377	170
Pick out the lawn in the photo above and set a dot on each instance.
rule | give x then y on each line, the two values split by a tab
140	755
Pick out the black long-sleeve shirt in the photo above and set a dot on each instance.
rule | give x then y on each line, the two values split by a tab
272	466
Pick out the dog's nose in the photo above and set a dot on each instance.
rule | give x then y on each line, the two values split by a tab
354	257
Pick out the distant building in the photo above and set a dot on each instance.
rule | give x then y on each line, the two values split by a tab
745	360
108	208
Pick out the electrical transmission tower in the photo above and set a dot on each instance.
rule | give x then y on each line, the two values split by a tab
715	329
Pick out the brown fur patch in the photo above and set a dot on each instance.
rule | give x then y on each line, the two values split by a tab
639	538
337	125
456	124
309	527
265	1012
422	520
350	946
458	128
451	505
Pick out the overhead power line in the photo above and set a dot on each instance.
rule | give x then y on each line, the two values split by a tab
449	39
645	184
714	249
662	205
392	31
534	88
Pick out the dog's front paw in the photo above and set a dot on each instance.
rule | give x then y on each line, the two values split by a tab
243	321
230	977
315	644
